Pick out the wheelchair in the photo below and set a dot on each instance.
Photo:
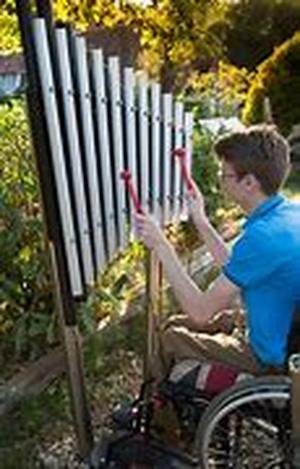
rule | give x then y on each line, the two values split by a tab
253	424
248	426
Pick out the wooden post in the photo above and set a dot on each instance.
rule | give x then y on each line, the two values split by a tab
75	369
153	298
268	116
294	369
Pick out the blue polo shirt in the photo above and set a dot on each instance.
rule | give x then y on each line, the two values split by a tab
265	264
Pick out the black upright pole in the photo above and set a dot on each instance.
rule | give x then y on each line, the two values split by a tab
44	9
42	150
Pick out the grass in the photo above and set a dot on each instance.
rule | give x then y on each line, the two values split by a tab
22	430
44	425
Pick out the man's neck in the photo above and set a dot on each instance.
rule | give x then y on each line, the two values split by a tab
251	204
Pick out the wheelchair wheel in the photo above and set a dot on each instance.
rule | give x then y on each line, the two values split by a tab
247	426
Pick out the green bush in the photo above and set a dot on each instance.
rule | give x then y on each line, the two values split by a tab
26	320
219	92
205	170
278	78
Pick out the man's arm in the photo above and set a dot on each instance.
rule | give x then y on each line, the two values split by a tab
199	306
213	241
207	232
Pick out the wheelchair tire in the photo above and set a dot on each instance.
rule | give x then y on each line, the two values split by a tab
247	426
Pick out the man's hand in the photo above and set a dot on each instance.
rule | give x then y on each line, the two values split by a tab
196	205
149	232
207	232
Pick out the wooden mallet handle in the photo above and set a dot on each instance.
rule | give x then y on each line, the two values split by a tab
180	153
126	176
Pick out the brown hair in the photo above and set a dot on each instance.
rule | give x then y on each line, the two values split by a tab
259	150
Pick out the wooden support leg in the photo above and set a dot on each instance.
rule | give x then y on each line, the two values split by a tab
75	372
294	368
154	280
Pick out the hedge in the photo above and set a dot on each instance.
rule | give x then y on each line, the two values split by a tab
277	78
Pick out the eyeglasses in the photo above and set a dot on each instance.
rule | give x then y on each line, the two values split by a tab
224	176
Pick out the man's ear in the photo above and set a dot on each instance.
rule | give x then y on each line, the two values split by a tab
250	181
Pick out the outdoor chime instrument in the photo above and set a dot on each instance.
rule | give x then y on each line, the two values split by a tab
91	119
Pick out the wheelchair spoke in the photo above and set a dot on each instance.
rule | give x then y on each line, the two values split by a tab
251	431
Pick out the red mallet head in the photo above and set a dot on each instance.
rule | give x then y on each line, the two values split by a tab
180	153
125	175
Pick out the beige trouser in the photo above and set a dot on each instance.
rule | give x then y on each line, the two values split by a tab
180	340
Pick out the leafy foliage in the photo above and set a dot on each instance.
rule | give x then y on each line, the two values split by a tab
205	170
84	13
219	92
10	37
278	78
116	287
179	36
26	321
175	35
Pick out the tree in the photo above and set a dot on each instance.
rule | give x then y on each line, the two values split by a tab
26	303
253	28
179	36
176	36
10	41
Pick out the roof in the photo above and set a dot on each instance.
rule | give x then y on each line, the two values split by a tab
120	41
12	64
224	124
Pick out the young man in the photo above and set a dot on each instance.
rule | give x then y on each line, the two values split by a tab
263	267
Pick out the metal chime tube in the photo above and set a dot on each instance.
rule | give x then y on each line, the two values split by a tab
155	156
102	125
74	148
144	137
188	145
167	155
48	89
130	123
86	118
179	112
118	146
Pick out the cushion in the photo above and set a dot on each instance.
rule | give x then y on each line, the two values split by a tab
210	378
